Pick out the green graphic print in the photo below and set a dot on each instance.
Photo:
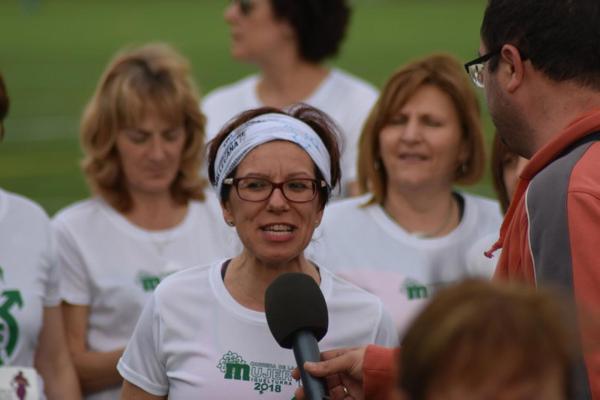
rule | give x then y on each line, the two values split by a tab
265	377
9	328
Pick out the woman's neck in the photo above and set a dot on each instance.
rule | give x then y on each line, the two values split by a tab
247	278
156	212
424	214
288	80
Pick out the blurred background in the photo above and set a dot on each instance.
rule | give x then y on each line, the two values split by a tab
52	53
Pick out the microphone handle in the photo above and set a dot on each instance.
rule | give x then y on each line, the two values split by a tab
306	348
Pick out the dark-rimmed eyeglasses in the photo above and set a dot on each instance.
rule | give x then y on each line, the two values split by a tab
475	68
300	190
246	6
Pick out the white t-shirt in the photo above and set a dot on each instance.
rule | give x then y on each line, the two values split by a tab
194	341
113	266
28	278
478	264
345	98
367	247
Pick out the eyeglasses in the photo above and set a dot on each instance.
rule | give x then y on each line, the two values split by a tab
259	189
246	6
475	68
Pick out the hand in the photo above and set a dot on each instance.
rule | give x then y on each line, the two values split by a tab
342	369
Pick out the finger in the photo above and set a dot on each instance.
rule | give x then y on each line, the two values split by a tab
341	363
296	373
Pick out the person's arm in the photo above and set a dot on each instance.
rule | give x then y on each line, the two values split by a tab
132	392
96	370
365	373
52	359
342	368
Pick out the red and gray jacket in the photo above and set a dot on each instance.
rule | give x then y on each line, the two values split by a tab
551	233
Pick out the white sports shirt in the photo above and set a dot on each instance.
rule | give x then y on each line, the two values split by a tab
344	97
194	341
367	247
113	266
28	278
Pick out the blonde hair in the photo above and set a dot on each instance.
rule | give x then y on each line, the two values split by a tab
152	78
444	72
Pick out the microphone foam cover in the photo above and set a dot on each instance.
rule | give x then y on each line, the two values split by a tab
294	302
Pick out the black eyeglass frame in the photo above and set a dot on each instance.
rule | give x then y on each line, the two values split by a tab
479	60
317	185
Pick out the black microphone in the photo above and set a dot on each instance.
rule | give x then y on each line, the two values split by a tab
297	317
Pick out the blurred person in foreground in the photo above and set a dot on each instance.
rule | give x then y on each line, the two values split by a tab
539	66
205	334
31	326
409	234
142	137
478	340
289	41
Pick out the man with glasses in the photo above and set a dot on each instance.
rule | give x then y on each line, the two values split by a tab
540	70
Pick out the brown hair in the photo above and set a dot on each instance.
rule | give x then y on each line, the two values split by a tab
4	105
444	72
479	332
153	77
316	119
500	152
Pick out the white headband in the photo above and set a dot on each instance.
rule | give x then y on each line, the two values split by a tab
266	128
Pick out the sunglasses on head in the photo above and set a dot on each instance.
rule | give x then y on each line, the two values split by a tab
246	6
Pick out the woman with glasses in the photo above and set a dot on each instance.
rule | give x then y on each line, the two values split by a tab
409	233
142	136
204	334
288	40
34	358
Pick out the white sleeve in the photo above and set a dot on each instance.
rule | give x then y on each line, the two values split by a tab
74	279
141	363
52	282
386	334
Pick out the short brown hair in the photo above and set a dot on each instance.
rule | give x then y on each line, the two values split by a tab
153	77
4	105
479	332
499	153
444	72
316	119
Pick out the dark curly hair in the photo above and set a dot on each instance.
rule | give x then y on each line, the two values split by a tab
320	25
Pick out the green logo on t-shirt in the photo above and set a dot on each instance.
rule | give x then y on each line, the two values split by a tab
266	377
148	281
9	328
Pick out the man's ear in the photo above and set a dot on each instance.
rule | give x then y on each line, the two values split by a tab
513	67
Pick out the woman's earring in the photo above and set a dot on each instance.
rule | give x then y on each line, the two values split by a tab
230	223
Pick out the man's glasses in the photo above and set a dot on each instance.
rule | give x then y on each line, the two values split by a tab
246	6
475	68
258	189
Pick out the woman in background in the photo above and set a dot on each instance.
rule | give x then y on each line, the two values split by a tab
32	335
289	40
408	235
142	136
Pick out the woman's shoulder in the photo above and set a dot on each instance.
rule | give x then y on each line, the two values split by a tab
79	212
341	209
191	278
14	203
483	205
221	96
346	294
352	85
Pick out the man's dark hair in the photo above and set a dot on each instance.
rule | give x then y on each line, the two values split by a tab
561	38
320	25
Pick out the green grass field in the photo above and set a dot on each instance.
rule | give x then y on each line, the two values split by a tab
52	56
